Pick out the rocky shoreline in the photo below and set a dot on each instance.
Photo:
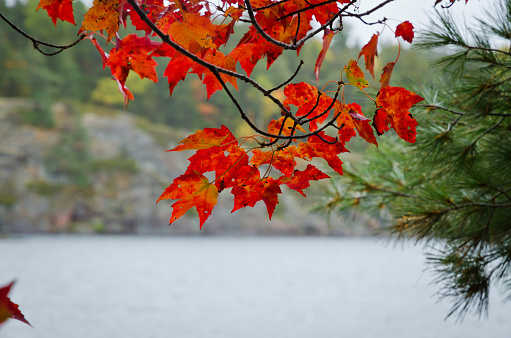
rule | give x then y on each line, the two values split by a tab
100	171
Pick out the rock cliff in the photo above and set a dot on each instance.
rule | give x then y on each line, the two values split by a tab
96	170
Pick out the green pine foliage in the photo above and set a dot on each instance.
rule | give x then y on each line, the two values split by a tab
451	190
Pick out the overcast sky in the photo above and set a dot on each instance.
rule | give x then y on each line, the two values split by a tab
414	11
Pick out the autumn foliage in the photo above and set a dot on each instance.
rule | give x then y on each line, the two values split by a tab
315	122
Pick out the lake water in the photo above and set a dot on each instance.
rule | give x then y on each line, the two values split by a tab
143	287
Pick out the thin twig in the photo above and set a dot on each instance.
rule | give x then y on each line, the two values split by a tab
487	131
36	42
289	80
307	8
297	44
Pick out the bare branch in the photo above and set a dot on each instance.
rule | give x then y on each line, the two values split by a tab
384	3
36	43
289	80
487	131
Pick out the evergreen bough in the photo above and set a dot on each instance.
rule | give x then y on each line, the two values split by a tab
451	190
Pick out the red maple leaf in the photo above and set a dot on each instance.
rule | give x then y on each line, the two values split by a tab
311	104
58	9
327	39
218	59
212	144
370	52
153	9
300	179
394	104
283	159
405	30
176	71
233	169
191	190
329	150
133	53
207	138
362	123
104	56
265	189
387	72
8	309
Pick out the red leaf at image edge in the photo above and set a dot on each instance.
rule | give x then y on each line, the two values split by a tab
8	309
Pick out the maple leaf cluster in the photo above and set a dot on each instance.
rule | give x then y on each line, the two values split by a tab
218	151
191	36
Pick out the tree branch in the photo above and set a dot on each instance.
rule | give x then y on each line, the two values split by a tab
289	80
307	8
218	70
36	43
384	3
487	131
297	44
166	39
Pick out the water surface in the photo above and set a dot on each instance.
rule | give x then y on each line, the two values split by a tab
142	287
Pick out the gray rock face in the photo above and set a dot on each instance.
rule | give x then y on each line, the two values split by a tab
104	172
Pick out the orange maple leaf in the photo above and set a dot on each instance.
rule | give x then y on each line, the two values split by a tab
191	190
203	139
345	125
355	75
102	15
370	52
247	54
194	33
275	127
